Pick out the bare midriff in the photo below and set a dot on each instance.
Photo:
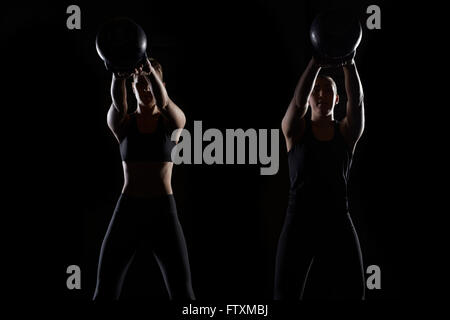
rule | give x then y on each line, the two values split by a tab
147	179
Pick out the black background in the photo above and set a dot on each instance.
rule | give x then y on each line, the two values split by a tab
230	65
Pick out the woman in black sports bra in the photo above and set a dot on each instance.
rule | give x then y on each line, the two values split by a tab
318	254
145	218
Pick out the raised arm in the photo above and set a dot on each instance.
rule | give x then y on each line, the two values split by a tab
293	123
174	115
353	123
119	94
118	110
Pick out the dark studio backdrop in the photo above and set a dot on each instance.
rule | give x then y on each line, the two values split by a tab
230	65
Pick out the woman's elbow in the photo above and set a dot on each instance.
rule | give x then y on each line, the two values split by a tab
181	122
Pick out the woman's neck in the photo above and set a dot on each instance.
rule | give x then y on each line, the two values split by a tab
147	111
322	121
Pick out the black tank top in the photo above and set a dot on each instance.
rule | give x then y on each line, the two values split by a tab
318	171
152	147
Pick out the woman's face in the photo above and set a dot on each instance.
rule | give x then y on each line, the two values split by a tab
324	96
142	90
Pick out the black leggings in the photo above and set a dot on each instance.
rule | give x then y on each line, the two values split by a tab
319	257
139	223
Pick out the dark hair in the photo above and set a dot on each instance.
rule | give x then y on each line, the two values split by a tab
330	79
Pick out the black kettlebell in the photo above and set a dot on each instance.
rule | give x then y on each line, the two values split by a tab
122	44
335	34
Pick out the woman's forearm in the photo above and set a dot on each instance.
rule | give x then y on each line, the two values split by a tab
353	86
299	104
158	89
119	94
305	84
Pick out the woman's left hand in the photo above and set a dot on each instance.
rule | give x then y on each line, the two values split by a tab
147	68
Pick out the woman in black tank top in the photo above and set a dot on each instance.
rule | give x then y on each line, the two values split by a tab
145	220
318	254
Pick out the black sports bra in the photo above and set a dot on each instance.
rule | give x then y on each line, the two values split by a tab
150	147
